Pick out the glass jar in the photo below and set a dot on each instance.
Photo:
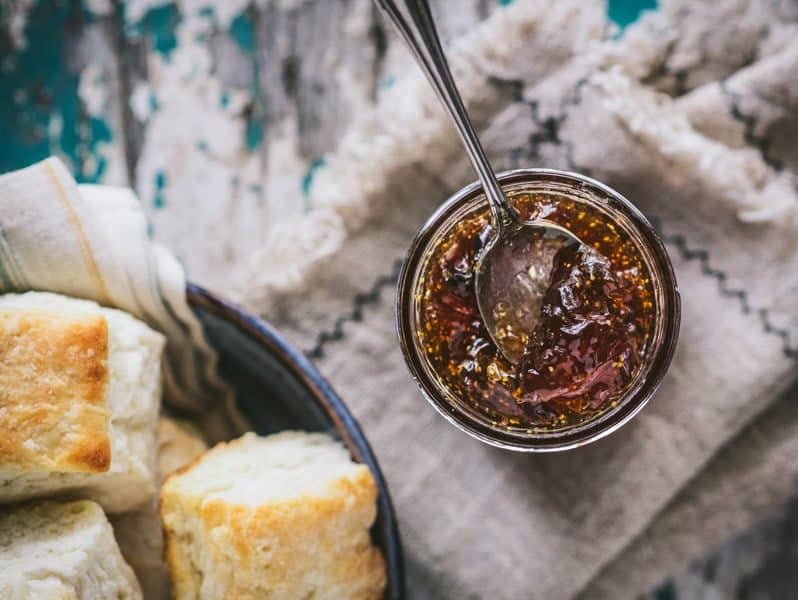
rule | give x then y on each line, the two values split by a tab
659	348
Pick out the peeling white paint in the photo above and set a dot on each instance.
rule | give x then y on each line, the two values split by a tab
92	89
224	12
283	171
136	10
197	147
141	102
284	4
98	97
55	126
17	15
98	7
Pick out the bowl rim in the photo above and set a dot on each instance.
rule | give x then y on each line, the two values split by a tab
592	431
385	527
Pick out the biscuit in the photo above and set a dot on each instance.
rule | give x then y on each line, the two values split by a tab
281	517
80	389
63	551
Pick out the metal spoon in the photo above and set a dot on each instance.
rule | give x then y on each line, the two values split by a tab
513	271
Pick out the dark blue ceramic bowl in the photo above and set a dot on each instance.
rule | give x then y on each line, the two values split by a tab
277	388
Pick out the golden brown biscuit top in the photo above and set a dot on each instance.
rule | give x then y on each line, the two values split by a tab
53	381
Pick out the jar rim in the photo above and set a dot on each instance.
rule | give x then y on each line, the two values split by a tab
668	317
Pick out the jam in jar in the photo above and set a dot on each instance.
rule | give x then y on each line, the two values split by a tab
595	322
607	326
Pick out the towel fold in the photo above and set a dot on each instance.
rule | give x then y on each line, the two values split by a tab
91	241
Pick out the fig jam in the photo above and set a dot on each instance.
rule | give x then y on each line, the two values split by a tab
596	320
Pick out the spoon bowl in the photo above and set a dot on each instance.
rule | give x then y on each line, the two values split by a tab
512	277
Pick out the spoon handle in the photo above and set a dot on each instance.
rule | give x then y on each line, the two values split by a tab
413	20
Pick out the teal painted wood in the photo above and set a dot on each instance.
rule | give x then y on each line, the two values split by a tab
626	12
40	112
